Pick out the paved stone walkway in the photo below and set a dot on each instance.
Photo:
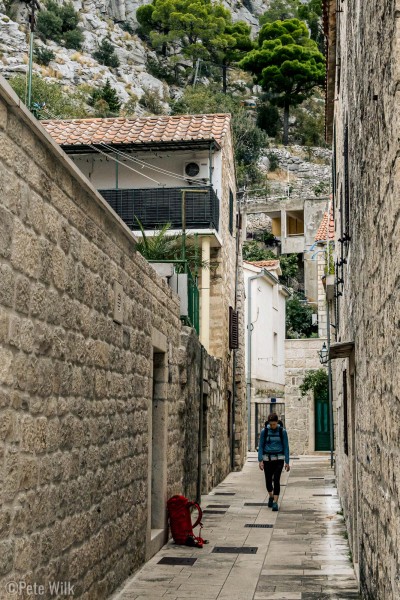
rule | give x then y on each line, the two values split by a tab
303	556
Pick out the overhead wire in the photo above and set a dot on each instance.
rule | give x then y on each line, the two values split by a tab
152	167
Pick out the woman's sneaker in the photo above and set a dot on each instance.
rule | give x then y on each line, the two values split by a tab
270	501
275	506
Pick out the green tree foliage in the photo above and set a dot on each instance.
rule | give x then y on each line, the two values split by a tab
151	101
315	381
309	11
249	140
280	10
299	318
233	46
166	246
105	101
196	29
60	23
287	64
268	118
105	54
57	100
74	39
43	55
11	9
253	251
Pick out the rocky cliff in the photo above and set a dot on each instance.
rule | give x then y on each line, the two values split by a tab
99	18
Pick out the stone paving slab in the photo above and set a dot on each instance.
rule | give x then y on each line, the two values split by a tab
303	557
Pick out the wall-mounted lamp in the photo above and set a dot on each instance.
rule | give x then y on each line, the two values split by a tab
323	355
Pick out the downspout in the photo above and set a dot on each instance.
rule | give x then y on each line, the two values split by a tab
210	165
248	378
233	419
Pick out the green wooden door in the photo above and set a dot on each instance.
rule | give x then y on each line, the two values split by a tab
322	434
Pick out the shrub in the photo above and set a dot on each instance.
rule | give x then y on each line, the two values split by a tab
10	9
299	318
316	381
129	108
268	119
43	55
74	39
273	161
57	101
60	23
105	95
105	54
126	26
49	25
69	17
151	100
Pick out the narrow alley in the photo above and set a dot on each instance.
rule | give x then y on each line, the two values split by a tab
299	553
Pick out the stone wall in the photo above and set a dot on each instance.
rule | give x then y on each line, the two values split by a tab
368	312
301	356
99	419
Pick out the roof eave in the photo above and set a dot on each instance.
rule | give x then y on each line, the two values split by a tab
203	144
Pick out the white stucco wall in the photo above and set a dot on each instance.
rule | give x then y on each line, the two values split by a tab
268	306
102	171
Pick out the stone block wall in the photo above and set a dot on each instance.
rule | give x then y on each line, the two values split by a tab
367	100
301	356
77	389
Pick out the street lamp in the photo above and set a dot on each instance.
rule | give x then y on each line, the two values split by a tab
323	355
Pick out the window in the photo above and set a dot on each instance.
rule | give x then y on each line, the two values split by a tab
294	222
275	356
231	207
345	418
233	329
275	296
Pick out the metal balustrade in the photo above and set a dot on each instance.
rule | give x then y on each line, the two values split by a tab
154	207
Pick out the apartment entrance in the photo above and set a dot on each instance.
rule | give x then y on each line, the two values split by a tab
322	434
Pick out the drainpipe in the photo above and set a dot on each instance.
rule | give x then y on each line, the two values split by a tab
248	378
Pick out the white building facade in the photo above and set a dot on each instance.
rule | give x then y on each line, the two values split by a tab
265	313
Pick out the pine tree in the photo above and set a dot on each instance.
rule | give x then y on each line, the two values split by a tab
105	55
287	64
105	101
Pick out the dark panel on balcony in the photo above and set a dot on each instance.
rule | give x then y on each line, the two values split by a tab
155	207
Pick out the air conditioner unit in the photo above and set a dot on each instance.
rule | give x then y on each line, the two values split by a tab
197	168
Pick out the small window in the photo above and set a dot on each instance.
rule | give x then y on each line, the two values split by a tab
231	207
275	296
233	329
275	357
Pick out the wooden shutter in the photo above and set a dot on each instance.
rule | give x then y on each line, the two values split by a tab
233	329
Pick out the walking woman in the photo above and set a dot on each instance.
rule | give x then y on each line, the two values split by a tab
273	455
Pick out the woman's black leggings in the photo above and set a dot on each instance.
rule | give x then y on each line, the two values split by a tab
273	470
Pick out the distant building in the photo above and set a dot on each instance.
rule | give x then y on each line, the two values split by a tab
295	221
265	310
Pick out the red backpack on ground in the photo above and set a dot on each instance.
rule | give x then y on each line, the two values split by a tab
180	521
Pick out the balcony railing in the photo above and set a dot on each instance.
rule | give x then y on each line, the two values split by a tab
155	207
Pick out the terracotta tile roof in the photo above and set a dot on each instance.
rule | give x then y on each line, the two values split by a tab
271	264
322	232
142	130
